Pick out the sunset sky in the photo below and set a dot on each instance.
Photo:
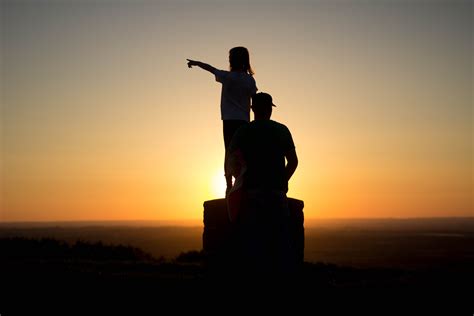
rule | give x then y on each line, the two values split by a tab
101	119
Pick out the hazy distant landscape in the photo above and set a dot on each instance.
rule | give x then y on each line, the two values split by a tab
405	243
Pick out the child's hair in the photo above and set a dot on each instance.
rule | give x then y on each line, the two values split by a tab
239	59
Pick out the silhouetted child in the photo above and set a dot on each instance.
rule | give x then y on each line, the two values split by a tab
238	86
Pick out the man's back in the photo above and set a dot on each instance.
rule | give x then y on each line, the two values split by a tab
263	144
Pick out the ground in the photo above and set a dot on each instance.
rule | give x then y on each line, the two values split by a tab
48	269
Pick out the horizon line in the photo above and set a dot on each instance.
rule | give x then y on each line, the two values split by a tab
198	222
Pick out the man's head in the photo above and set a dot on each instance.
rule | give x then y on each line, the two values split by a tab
262	104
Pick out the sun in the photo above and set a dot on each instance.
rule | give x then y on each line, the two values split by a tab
218	184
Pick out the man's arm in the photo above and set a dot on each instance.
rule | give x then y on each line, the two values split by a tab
201	65
292	160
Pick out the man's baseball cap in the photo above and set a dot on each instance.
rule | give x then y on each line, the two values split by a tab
262	98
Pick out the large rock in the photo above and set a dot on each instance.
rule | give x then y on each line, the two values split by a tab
217	229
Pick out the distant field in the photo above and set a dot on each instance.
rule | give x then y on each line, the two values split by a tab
407	243
165	241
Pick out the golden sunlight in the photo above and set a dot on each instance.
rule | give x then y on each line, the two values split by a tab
218	184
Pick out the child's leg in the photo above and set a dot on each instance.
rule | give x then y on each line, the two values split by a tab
230	127
228	180
227	139
228	177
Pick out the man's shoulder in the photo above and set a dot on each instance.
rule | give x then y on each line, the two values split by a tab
241	131
268	123
269	126
280	126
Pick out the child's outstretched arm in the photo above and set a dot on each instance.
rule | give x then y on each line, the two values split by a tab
201	65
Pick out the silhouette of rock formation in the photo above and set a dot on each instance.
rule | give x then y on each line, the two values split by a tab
217	228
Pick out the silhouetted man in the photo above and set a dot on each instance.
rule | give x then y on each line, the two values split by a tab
261	214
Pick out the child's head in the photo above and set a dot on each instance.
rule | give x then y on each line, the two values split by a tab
239	60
